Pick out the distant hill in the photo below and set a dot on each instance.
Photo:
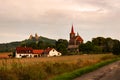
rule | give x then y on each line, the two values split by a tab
8	47
37	43
47	40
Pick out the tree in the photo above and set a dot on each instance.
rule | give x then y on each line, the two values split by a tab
104	44
99	41
87	47
61	46
116	47
108	45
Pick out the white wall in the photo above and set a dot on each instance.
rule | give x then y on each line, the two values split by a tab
19	55
53	52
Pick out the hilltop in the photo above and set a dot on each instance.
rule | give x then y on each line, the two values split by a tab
40	41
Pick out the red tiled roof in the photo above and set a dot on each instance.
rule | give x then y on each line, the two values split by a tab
24	49
48	50
78	38
38	51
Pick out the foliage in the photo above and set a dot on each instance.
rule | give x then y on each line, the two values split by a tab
87	47
61	46
116	47
8	47
41	43
101	45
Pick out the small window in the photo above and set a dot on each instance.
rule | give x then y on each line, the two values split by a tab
53	50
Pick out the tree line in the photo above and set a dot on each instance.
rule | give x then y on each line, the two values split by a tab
96	45
101	45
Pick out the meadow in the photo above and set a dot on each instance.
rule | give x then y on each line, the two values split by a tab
46	68
4	55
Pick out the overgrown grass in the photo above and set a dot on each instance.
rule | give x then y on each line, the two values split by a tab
79	72
47	68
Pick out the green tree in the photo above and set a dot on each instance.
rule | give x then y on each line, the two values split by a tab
116	47
99	41
108	45
97	49
61	46
86	47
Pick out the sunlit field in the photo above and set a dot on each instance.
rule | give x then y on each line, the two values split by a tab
45	68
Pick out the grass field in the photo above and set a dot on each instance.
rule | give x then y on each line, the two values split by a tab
46	68
5	55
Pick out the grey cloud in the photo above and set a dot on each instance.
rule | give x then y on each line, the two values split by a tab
54	18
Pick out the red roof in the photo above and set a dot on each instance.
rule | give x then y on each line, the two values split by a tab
78	38
48	50
24	49
38	51
72	30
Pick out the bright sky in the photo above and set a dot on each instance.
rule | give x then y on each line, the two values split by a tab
54	18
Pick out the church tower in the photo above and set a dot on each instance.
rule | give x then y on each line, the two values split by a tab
75	41
72	36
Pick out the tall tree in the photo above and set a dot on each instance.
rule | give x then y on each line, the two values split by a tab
116	47
61	46
86	47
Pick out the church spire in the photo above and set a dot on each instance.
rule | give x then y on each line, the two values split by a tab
72	30
77	34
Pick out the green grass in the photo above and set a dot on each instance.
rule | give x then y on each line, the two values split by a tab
79	72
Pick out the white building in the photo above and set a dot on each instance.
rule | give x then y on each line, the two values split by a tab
28	52
51	52
23	52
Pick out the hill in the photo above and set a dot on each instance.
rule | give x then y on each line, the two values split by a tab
8	47
39	43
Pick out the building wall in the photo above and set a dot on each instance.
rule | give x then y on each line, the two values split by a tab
53	52
20	55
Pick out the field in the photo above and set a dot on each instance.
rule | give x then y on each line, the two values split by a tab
4	55
46	68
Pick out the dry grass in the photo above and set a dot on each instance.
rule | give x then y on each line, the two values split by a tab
5	55
45	68
63	59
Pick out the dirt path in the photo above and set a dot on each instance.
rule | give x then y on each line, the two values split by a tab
109	72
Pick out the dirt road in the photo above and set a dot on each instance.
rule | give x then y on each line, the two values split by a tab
109	72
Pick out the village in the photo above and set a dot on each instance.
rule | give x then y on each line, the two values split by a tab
22	52
29	52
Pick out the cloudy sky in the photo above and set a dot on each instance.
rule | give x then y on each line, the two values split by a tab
54	18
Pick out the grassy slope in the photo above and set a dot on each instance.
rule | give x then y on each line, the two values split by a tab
81	71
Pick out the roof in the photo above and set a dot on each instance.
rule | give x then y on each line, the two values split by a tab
78	38
72	30
48	50
38	51
24	49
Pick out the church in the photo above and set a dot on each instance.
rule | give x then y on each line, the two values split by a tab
75	41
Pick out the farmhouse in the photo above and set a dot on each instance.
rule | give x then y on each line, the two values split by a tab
29	52
51	52
23	52
37	53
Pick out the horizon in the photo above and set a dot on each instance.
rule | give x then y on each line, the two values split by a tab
54	18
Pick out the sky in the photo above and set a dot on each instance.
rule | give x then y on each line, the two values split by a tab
54	18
